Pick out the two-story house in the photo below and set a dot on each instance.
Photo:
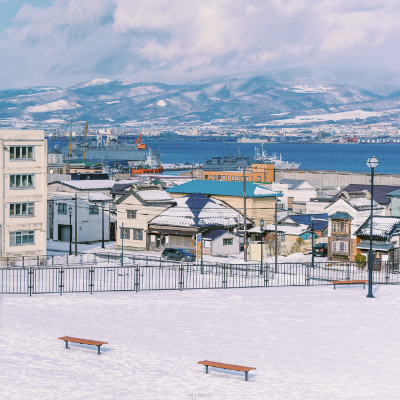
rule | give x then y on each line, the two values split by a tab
345	216
23	192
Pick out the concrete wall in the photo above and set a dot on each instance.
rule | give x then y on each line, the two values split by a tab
36	194
328	182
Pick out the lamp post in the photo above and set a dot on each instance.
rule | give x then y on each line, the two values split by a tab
276	234
312	241
372	162
102	225
262	234
201	224
70	230
122	245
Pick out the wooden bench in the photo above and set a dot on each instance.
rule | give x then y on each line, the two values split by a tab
348	283
226	366
82	341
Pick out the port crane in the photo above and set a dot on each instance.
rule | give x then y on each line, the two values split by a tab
139	143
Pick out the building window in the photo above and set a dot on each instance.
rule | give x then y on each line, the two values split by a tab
20	238
62	208
247	178
228	178
137	234
215	177
228	242
21	209
340	246
219	177
125	233
340	226
223	177
131	214
21	153
258	178
21	181
205	176
94	209
238	178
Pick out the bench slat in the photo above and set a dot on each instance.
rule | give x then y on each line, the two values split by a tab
346	282
225	366
82	341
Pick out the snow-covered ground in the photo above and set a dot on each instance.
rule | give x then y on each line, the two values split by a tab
306	343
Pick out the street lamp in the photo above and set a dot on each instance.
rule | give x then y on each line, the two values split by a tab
262	234
276	233
312	241
70	230
102	225
372	162
201	223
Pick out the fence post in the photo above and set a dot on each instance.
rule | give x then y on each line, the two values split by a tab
224	276
137	278
307	274
81	258
23	262
266	278
30	273
388	264
347	271
147	261
108	258
52	261
91	272
181	270
61	271
67	259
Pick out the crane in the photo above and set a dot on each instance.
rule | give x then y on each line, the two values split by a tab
139	143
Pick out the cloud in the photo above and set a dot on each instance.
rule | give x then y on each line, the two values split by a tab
67	41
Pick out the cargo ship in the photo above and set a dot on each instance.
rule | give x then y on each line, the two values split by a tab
151	165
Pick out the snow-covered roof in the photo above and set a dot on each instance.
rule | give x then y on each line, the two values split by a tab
288	229
197	210
90	184
362	203
99	197
154	195
382	227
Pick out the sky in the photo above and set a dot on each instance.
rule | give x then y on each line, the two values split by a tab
65	42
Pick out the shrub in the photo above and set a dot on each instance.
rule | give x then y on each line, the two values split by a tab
361	260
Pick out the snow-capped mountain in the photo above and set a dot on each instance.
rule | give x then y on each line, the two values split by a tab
251	99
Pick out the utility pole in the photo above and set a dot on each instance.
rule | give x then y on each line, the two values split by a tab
84	149
244	216
76	224
70	149
276	234
102	225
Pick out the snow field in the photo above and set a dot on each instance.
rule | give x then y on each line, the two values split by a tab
306	343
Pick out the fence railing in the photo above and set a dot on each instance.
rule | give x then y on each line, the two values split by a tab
178	276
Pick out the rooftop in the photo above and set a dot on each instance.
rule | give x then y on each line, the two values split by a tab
382	227
293	183
380	191
223	189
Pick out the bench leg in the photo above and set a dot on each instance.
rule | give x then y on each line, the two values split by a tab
98	349
206	369
334	287
66	344
245	376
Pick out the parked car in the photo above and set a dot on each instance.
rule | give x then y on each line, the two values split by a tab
178	255
320	250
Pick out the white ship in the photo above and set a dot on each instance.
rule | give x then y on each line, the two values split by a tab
264	158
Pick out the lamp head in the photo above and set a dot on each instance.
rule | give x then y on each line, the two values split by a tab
372	162
70	209
261	223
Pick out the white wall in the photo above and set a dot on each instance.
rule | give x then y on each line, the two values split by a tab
36	194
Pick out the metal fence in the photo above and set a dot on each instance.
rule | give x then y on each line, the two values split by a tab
176	276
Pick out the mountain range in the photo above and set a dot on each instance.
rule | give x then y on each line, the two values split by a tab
243	99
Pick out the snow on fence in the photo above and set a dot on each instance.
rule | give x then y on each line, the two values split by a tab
177	276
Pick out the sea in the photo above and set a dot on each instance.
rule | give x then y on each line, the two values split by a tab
318	156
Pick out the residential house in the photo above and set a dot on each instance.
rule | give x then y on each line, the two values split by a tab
55	164
135	209
220	242
178	225
23	198
345	216
320	224
386	240
89	212
394	203
296	193
380	194
260	202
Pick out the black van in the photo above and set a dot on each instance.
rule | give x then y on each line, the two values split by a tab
320	250
177	255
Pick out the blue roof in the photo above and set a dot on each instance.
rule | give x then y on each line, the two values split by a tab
213	233
305	219
222	188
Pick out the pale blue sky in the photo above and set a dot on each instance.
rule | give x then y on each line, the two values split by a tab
64	42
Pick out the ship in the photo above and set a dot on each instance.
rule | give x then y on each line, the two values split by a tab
236	163
151	165
106	146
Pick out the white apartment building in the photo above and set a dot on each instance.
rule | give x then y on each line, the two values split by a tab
23	187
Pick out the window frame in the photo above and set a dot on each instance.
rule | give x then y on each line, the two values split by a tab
137	234
13	153
29	206
20	178
131	214
124	233
227	242
93	208
60	210
21	235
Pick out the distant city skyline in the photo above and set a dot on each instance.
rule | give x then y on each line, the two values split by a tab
65	42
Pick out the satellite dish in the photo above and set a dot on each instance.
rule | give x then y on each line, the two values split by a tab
51	171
